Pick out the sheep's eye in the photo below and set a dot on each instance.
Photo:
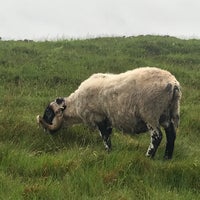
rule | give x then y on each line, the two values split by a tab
59	100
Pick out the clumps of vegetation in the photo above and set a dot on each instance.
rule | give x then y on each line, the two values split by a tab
72	164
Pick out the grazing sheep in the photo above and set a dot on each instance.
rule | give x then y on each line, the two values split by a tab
136	101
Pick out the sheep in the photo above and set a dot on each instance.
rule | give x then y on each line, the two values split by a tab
136	101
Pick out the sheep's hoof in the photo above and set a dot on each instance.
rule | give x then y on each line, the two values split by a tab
108	149
166	157
150	153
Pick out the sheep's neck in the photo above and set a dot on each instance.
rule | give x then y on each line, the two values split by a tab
70	113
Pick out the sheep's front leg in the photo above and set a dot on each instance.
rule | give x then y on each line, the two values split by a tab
171	136
105	132
156	137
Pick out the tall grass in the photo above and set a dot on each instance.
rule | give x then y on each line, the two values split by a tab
72	164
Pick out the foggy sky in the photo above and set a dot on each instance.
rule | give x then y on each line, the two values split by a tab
57	19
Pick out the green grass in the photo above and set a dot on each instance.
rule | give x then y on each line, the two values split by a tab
73	164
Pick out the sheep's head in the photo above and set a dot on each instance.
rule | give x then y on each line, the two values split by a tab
53	116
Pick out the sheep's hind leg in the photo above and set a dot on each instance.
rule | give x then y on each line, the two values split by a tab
171	136
156	137
105	132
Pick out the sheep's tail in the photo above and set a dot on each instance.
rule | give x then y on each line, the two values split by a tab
175	105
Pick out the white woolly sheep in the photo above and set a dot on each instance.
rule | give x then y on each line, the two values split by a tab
140	100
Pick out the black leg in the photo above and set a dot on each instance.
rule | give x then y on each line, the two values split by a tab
171	136
156	137
105	131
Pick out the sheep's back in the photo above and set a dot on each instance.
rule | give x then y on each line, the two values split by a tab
138	95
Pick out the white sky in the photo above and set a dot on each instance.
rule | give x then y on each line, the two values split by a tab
57	19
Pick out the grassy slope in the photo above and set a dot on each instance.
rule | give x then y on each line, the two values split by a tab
73	164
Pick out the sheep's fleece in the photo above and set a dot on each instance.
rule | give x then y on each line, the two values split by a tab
135	101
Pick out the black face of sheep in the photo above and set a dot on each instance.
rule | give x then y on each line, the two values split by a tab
48	115
49	112
53	116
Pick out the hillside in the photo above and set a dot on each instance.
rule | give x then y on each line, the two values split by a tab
73	164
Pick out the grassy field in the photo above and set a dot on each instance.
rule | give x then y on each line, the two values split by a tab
73	164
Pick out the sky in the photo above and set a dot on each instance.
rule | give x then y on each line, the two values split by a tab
64	19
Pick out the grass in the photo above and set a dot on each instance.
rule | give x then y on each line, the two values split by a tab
72	164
